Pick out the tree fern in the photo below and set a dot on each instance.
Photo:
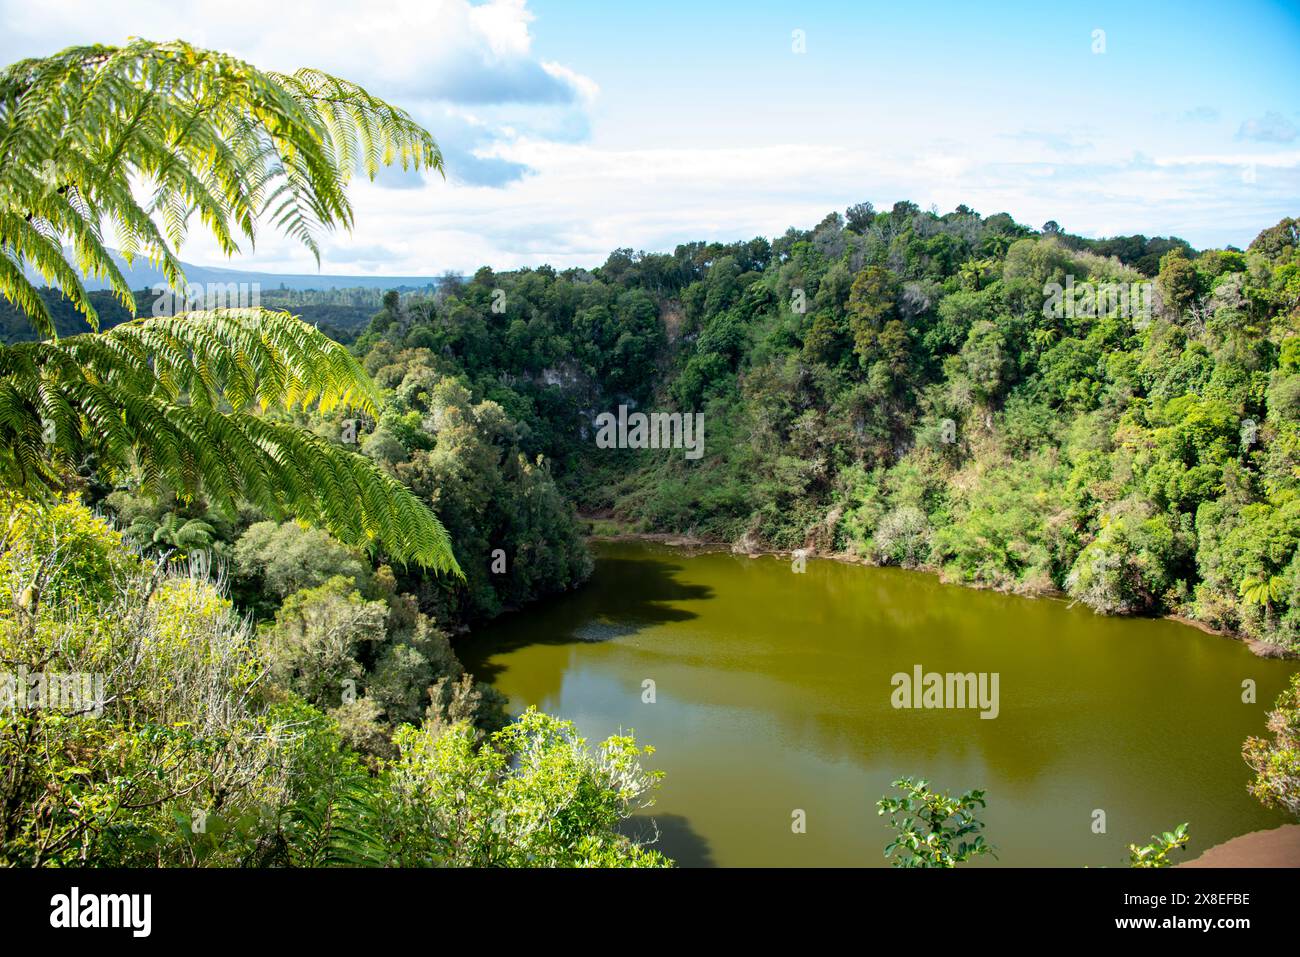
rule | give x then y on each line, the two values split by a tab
207	133
173	533
1262	589
180	401
341	827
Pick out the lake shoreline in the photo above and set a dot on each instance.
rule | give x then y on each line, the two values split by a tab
1275	847
1260	649
776	684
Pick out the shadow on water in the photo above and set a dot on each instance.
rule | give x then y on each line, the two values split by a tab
622	597
780	687
676	838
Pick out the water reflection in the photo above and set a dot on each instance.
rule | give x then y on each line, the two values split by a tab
772	692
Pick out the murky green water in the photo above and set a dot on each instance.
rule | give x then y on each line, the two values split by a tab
773	693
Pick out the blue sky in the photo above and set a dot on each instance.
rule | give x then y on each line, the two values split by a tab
571	127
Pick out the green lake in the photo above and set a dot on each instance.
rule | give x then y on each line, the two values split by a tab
773	694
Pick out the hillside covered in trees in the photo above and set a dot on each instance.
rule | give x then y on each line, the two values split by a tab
1021	409
1013	408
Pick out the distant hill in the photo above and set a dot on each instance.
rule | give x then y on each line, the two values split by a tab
339	305
340	313
142	275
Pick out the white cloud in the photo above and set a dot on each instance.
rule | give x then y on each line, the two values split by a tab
429	56
1281	160
1272	127
428	49
586	87
580	201
528	183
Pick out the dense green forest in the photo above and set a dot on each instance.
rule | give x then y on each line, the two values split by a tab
1021	409
895	385
238	558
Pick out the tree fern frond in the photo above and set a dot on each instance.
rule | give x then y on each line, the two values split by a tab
181	400
209	134
178	401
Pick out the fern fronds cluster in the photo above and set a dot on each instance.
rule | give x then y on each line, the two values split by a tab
179	401
140	138
202	131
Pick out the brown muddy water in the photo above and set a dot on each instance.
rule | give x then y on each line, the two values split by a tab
774	692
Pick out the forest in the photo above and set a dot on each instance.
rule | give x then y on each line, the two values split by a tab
901	386
266	545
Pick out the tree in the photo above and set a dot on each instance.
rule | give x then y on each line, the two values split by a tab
983	359
1262	589
1177	281
934	830
902	537
973	271
180	400
275	560
318	636
1130	564
534	795
162	722
212	135
859	217
873	302
173	532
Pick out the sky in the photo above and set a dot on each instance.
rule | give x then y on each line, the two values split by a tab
574	127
